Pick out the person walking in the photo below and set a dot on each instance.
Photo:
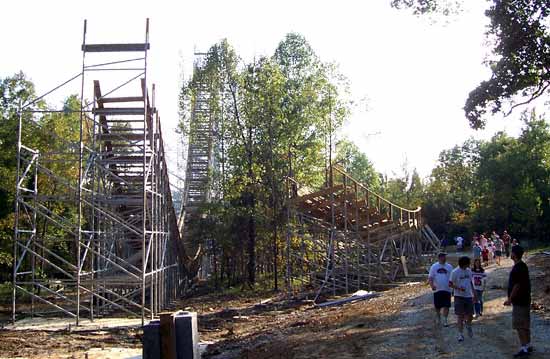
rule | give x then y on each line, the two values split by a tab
494	236
485	256
440	273
507	243
478	279
499	247
476	250
459	244
483	241
491	247
519	296
465	296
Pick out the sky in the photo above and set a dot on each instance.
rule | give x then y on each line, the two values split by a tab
409	76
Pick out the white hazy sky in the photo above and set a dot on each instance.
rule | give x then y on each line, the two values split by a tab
415	74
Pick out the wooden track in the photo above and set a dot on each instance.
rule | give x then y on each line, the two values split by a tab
345	237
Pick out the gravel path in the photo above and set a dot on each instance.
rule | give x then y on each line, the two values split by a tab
414	334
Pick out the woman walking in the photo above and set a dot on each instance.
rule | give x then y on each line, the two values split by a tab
465	296
478	280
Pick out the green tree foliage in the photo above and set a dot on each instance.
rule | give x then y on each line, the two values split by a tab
50	134
14	91
497	184
272	118
521	62
421	7
357	164
451	191
405	189
522	52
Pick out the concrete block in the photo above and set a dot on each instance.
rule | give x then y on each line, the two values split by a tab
151	340
187	335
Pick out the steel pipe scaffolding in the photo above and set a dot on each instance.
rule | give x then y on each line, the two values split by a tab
96	233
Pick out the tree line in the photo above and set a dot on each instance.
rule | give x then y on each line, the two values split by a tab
50	133
502	183
276	118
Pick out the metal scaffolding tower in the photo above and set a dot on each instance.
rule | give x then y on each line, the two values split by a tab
102	237
199	154
200	164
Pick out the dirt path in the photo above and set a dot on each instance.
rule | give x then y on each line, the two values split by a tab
414	334
398	324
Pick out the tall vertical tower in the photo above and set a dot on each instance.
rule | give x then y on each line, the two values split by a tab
199	153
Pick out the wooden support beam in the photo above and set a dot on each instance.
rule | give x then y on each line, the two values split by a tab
116	47
168	336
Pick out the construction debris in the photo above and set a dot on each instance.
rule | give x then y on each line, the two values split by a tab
357	296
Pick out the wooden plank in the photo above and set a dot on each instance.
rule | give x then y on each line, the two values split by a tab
350	299
427	236
167	336
121	137
404	263
120	99
110	111
322	193
116	47
432	234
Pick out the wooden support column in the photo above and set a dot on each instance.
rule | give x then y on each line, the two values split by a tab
168	336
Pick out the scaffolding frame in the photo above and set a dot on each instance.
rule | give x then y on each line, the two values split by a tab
200	160
345	238
115	246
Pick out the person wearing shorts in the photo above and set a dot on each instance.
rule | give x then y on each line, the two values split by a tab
519	296
507	242
499	247
479	278
440	273
465	296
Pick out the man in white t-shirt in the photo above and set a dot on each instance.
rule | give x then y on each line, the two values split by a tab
459	243
440	274
465	296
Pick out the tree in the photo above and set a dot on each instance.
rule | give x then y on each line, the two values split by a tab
14	91
497	184
451	191
522	51
404	189
521	62
534	156
49	134
271	119
499	178
357	164
421	7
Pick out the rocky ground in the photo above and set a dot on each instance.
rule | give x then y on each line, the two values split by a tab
397	324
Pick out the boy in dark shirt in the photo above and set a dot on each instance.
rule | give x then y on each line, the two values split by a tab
519	296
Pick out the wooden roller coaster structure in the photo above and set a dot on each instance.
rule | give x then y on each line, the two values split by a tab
346	237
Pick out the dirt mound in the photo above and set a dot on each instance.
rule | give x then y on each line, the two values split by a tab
539	266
